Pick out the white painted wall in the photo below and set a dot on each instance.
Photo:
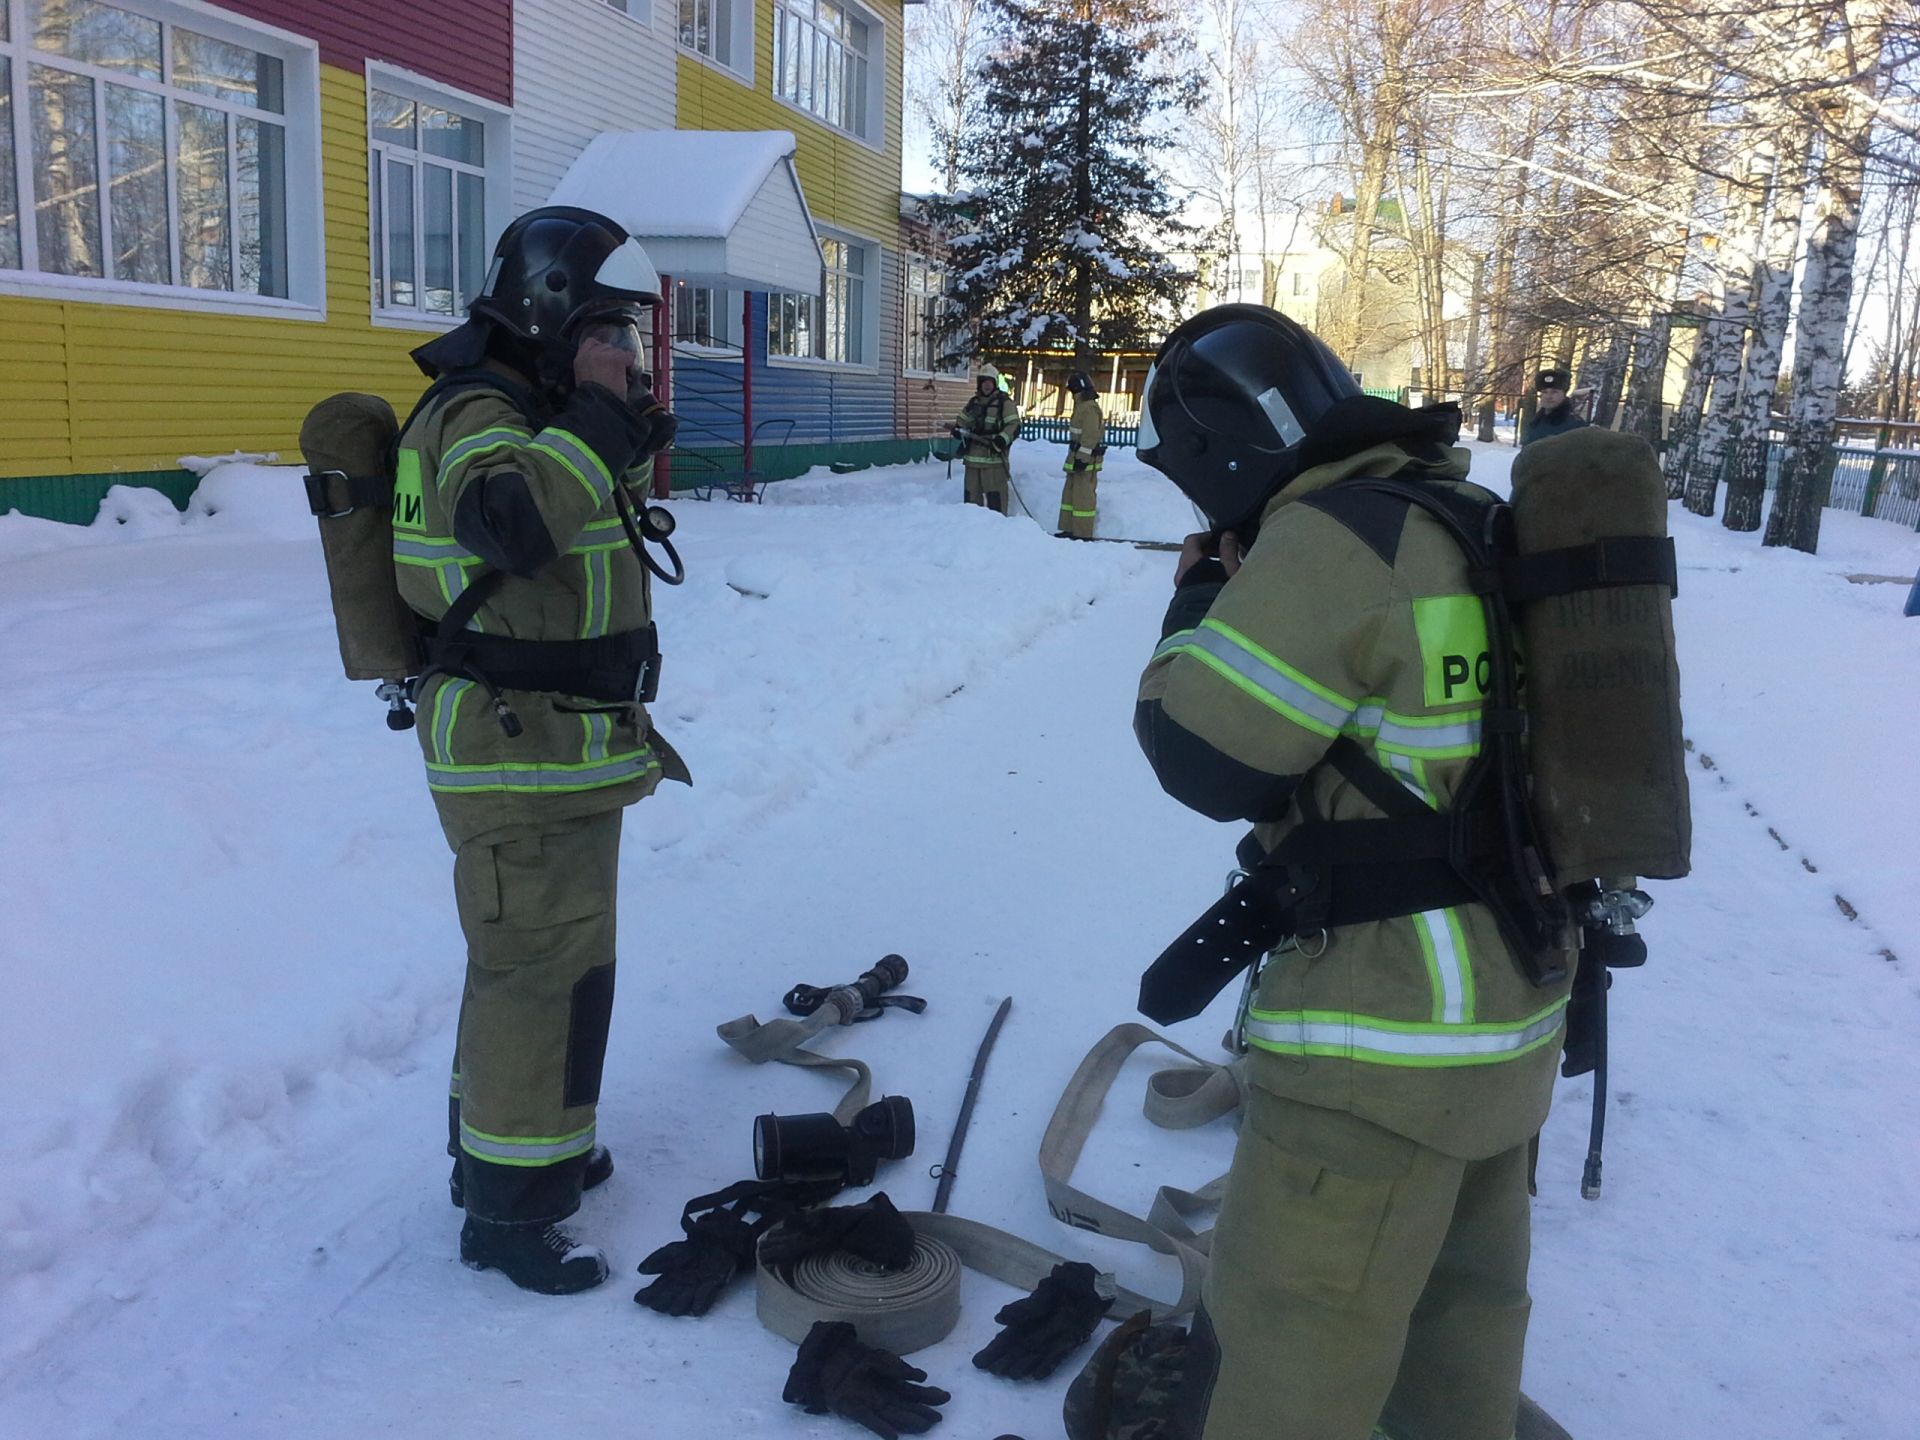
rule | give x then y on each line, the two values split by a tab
762	243
581	67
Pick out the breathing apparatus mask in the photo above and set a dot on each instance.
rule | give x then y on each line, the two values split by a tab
1232	394
819	1147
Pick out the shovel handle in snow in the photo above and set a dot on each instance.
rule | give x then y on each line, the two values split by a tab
949	1169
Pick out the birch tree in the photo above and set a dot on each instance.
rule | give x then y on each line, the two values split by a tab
944	52
1826	285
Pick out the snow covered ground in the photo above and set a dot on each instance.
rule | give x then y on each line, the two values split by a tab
232	964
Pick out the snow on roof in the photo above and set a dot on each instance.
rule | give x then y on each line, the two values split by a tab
692	183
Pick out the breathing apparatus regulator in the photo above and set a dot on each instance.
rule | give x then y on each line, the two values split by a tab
559	276
1580	786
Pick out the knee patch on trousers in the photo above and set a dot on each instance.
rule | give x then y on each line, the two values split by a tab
588	1019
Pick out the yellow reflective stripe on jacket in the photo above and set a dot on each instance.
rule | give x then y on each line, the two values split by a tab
600	535
1443	939
1375	1041
446	714
578	460
481	442
541	778
1262	675
599	734
1431	737
524	1149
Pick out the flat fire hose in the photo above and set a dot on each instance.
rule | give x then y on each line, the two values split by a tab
909	1309
785	1041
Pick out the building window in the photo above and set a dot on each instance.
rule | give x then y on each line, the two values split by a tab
140	151
821	53
927	351
428	164
641	10
1299	283
703	318
831	325
706	28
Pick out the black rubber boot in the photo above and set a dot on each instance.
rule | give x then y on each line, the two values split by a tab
542	1258
599	1167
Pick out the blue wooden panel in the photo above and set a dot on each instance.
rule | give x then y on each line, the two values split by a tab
797	404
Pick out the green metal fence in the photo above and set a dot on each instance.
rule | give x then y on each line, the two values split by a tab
1058	429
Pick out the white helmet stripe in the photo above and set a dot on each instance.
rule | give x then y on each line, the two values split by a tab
629	269
1148	436
1285	424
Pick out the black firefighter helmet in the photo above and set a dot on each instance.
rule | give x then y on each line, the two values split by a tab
558	267
1080	383
1231	395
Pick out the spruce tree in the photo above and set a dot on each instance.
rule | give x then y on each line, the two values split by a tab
1058	238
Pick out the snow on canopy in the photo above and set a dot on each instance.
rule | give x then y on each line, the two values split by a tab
692	183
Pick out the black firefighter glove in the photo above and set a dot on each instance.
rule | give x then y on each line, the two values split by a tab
959	432
873	1230
657	423
719	1244
1047	1326
835	1374
693	1271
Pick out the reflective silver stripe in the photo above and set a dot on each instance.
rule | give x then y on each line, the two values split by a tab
1402	767
1447	966
481	442
1372	719
446	713
435	551
1361	1037
453	1086
1318	711
572	452
541	1150
599	733
549	779
1172	642
596	605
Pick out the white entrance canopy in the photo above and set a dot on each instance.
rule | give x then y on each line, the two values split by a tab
711	207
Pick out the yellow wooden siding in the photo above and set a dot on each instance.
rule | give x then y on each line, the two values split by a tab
89	388
847	183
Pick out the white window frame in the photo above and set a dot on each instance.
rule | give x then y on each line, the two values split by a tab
726	308
873	134
496	171
923	303
871	278
740	38
638	11
305	211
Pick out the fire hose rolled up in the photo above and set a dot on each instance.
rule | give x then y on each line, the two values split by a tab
1602	676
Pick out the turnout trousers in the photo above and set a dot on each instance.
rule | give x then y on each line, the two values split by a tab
989	483
537	905
1078	502
1359	1280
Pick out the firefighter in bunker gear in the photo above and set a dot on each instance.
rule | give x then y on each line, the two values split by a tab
509	543
1086	447
1369	1266
986	428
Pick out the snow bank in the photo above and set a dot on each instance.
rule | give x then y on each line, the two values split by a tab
232	970
230	903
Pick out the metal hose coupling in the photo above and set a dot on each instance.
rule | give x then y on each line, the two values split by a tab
899	1310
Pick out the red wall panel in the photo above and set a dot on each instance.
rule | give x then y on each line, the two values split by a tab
464	43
